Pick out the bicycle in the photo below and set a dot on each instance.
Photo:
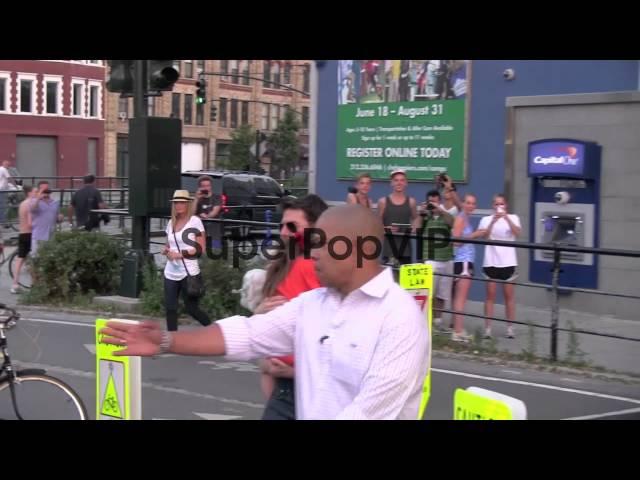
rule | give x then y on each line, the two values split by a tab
37	393
25	280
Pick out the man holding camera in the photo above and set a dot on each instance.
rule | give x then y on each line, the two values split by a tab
44	216
208	205
438	252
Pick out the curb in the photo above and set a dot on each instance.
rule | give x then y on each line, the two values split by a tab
79	311
543	367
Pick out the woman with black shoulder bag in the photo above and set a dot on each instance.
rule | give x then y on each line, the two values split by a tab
185	233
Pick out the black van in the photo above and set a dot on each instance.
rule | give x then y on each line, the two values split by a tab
245	195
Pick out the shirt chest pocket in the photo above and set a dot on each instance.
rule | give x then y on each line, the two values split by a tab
351	356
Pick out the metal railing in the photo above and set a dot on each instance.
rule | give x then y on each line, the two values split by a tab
71	182
556	264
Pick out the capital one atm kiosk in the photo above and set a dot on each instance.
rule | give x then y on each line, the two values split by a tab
565	206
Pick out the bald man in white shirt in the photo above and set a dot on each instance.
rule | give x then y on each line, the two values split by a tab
361	343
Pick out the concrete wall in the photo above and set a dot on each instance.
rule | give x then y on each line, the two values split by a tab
613	121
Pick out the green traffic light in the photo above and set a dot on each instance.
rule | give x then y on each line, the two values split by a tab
200	100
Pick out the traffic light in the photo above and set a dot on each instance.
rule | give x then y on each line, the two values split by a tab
201	92
161	75
120	77
214	112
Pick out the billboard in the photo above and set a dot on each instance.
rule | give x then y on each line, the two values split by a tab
409	114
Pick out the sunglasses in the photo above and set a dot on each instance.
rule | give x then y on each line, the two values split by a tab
292	227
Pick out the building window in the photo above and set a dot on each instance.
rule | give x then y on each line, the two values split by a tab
276	75
200	114
176	65
94	101
188	108
222	114
223	149
200	67
4	89
175	105
245	113
123	107
151	107
77	93
52	98
287	74
26	96
246	64
234	113
275	111
224	68
306	75
234	72
52	95
266	75
305	117
265	117
188	68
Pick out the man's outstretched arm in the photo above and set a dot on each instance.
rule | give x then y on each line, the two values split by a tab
270	334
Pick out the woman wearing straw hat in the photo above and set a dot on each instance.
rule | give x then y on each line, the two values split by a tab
182	259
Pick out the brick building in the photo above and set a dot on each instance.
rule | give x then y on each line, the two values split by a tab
260	102
52	116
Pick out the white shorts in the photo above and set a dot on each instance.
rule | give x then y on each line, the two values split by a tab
442	285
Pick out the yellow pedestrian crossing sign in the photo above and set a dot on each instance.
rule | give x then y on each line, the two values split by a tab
118	380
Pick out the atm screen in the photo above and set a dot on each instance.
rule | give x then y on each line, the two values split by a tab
561	230
563	183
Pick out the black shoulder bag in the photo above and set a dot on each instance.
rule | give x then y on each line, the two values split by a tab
195	284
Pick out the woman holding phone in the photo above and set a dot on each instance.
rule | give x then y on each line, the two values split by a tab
500	263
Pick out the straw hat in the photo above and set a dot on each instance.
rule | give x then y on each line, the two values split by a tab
181	196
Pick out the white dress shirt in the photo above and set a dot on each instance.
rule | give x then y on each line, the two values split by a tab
362	357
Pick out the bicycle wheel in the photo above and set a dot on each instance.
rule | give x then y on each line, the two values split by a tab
25	279
41	397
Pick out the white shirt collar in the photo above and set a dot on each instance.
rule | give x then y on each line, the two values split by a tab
378	285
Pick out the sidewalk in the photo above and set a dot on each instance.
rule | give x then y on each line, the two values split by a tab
610	353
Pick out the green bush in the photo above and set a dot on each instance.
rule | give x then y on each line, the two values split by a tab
75	265
219	301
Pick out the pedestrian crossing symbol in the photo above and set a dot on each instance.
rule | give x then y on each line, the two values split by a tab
118	379
110	402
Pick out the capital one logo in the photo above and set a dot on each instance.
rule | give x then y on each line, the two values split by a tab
570	157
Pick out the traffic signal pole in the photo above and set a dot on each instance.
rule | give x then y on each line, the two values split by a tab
140	224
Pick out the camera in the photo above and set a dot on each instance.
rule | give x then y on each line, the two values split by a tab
352	190
204	192
430	207
440	179
47	191
562	197
509	74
